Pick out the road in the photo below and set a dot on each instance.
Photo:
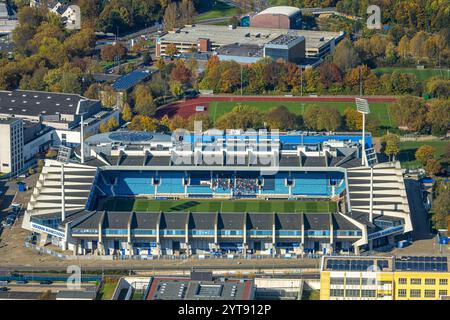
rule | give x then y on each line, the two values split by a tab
419	216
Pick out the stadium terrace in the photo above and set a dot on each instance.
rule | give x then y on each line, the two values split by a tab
145	194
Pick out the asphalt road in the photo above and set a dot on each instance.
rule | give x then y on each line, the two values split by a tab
419	216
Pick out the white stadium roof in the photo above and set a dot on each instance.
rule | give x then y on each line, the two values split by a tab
285	10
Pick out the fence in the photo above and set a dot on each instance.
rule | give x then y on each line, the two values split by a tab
44	250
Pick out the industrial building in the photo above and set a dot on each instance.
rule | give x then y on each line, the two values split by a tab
45	119
371	204
245	42
384	278
280	17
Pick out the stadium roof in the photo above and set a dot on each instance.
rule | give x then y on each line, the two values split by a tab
284	10
130	80
35	103
128	137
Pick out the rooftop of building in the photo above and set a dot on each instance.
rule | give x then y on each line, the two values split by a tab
188	289
35	103
223	35
130	80
387	264
282	10
241	50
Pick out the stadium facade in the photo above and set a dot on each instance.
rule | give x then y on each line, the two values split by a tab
101	215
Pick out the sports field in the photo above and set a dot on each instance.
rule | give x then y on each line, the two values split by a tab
218	108
147	205
421	74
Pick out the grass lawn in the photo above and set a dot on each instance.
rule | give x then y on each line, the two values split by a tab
408	150
107	291
422	75
218	10
145	205
218	108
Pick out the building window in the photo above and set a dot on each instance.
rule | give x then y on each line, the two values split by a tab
368	293
402	281
352	293
430	293
430	282
442	292
402	293
353	282
443	282
337	281
415	293
416	281
337	292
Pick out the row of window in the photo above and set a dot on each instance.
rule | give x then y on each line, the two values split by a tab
211	232
354	293
418	281
353	281
417	293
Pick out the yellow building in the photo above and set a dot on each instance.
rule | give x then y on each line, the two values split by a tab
384	278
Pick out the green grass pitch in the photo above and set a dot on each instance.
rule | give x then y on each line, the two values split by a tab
194	205
218	108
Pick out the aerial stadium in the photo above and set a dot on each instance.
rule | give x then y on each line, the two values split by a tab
220	192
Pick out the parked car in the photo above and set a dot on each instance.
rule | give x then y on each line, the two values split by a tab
3	289
46	282
21	281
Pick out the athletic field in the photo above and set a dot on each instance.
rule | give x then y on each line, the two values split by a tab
147	205
421	74
218	108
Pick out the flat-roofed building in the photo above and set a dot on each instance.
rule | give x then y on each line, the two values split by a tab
209	38
384	278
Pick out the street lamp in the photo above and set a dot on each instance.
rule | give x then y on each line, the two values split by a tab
363	107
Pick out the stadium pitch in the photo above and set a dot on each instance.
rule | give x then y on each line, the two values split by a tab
194	205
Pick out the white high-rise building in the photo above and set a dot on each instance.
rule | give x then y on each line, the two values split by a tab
11	145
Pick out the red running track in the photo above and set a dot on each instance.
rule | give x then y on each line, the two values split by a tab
186	108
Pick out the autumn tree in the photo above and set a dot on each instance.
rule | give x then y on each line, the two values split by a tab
330	74
113	52
282	119
353	119
143	123
441	206
433	167
425	153
409	112
390	145
143	101
171	50
345	56
439	116
202	117
322	118
126	113
181	73
241	117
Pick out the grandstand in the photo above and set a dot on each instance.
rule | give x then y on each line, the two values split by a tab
143	194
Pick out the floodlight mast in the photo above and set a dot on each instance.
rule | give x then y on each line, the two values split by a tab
82	137
363	107
63	158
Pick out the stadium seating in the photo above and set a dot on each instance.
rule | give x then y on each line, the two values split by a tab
130	183
171	182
